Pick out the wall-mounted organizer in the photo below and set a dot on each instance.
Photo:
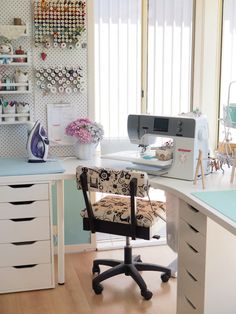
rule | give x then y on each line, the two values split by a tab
59	23
16	94
60	79
30	55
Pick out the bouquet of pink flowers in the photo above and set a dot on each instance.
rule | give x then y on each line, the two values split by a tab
85	131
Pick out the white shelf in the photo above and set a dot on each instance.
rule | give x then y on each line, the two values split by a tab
27	91
15	115
5	92
13	32
13	63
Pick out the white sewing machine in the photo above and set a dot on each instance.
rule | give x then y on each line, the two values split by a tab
189	134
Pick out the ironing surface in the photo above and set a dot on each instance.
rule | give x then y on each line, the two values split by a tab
223	201
21	166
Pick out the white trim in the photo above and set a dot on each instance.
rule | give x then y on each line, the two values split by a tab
91	61
207	62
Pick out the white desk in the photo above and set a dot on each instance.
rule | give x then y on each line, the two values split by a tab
182	190
215	240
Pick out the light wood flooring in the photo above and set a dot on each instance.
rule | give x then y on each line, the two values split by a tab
120	295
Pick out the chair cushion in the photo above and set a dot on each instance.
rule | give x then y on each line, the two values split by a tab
117	209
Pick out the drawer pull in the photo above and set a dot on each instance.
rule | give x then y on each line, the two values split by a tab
22	203
190	303
191	227
192	248
18	186
193	209
22	219
25	266
190	275
23	243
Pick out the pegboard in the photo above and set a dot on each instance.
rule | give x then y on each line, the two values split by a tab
14	137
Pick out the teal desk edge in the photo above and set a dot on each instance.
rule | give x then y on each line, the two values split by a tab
222	201
21	166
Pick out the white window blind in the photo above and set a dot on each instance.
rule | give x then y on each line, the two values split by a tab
169	56
228	62
117	63
118	60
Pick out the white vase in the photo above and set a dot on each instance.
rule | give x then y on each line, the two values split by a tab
84	151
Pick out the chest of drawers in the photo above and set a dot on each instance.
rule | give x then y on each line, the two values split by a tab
206	265
26	247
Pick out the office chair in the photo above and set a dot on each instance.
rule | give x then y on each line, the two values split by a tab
123	213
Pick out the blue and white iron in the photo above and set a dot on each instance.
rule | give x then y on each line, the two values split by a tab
37	144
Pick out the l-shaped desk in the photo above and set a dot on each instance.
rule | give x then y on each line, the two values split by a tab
207	242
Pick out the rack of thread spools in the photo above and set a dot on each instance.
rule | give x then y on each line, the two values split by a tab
62	80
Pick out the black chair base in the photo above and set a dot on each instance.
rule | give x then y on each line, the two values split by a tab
130	267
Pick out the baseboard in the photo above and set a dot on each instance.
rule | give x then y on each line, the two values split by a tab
77	248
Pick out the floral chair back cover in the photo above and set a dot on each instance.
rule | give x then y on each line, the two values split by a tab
107	180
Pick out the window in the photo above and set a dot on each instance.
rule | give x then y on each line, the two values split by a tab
228	61
119	59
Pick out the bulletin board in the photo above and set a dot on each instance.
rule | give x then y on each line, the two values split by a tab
14	137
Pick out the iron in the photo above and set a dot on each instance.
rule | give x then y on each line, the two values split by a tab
37	143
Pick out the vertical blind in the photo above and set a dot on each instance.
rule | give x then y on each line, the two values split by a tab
228	61
169	56
117	63
118	60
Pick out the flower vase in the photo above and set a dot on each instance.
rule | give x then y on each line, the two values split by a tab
84	151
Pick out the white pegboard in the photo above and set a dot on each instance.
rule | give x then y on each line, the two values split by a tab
14	137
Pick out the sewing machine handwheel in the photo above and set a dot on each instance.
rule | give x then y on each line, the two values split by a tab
165	277
146	294
98	288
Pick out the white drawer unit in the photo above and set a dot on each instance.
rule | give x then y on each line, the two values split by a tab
205	272
26	246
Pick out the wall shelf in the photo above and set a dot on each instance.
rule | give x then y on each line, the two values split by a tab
15	63
12	32
27	116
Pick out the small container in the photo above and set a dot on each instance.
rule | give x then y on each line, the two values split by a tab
9	108
22	108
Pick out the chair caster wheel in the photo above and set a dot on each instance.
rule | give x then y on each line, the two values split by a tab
96	270
146	294
165	277
98	288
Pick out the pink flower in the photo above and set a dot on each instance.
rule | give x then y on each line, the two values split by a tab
85	130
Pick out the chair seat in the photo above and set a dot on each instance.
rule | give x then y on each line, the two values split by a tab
117	209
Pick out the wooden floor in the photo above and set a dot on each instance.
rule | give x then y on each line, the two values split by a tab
120	295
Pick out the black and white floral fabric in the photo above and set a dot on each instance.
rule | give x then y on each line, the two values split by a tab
117	208
113	181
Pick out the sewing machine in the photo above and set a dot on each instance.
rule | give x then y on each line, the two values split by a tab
188	134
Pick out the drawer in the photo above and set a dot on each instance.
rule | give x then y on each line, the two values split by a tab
192	260
185	306
24	209
24	192
25	253
26	278
193	237
190	287
193	217
26	230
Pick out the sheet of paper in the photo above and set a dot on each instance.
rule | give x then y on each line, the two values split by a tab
59	116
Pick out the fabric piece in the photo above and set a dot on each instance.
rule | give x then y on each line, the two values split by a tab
113	181
117	209
222	201
12	31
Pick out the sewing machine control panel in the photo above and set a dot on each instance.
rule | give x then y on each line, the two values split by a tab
139	125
